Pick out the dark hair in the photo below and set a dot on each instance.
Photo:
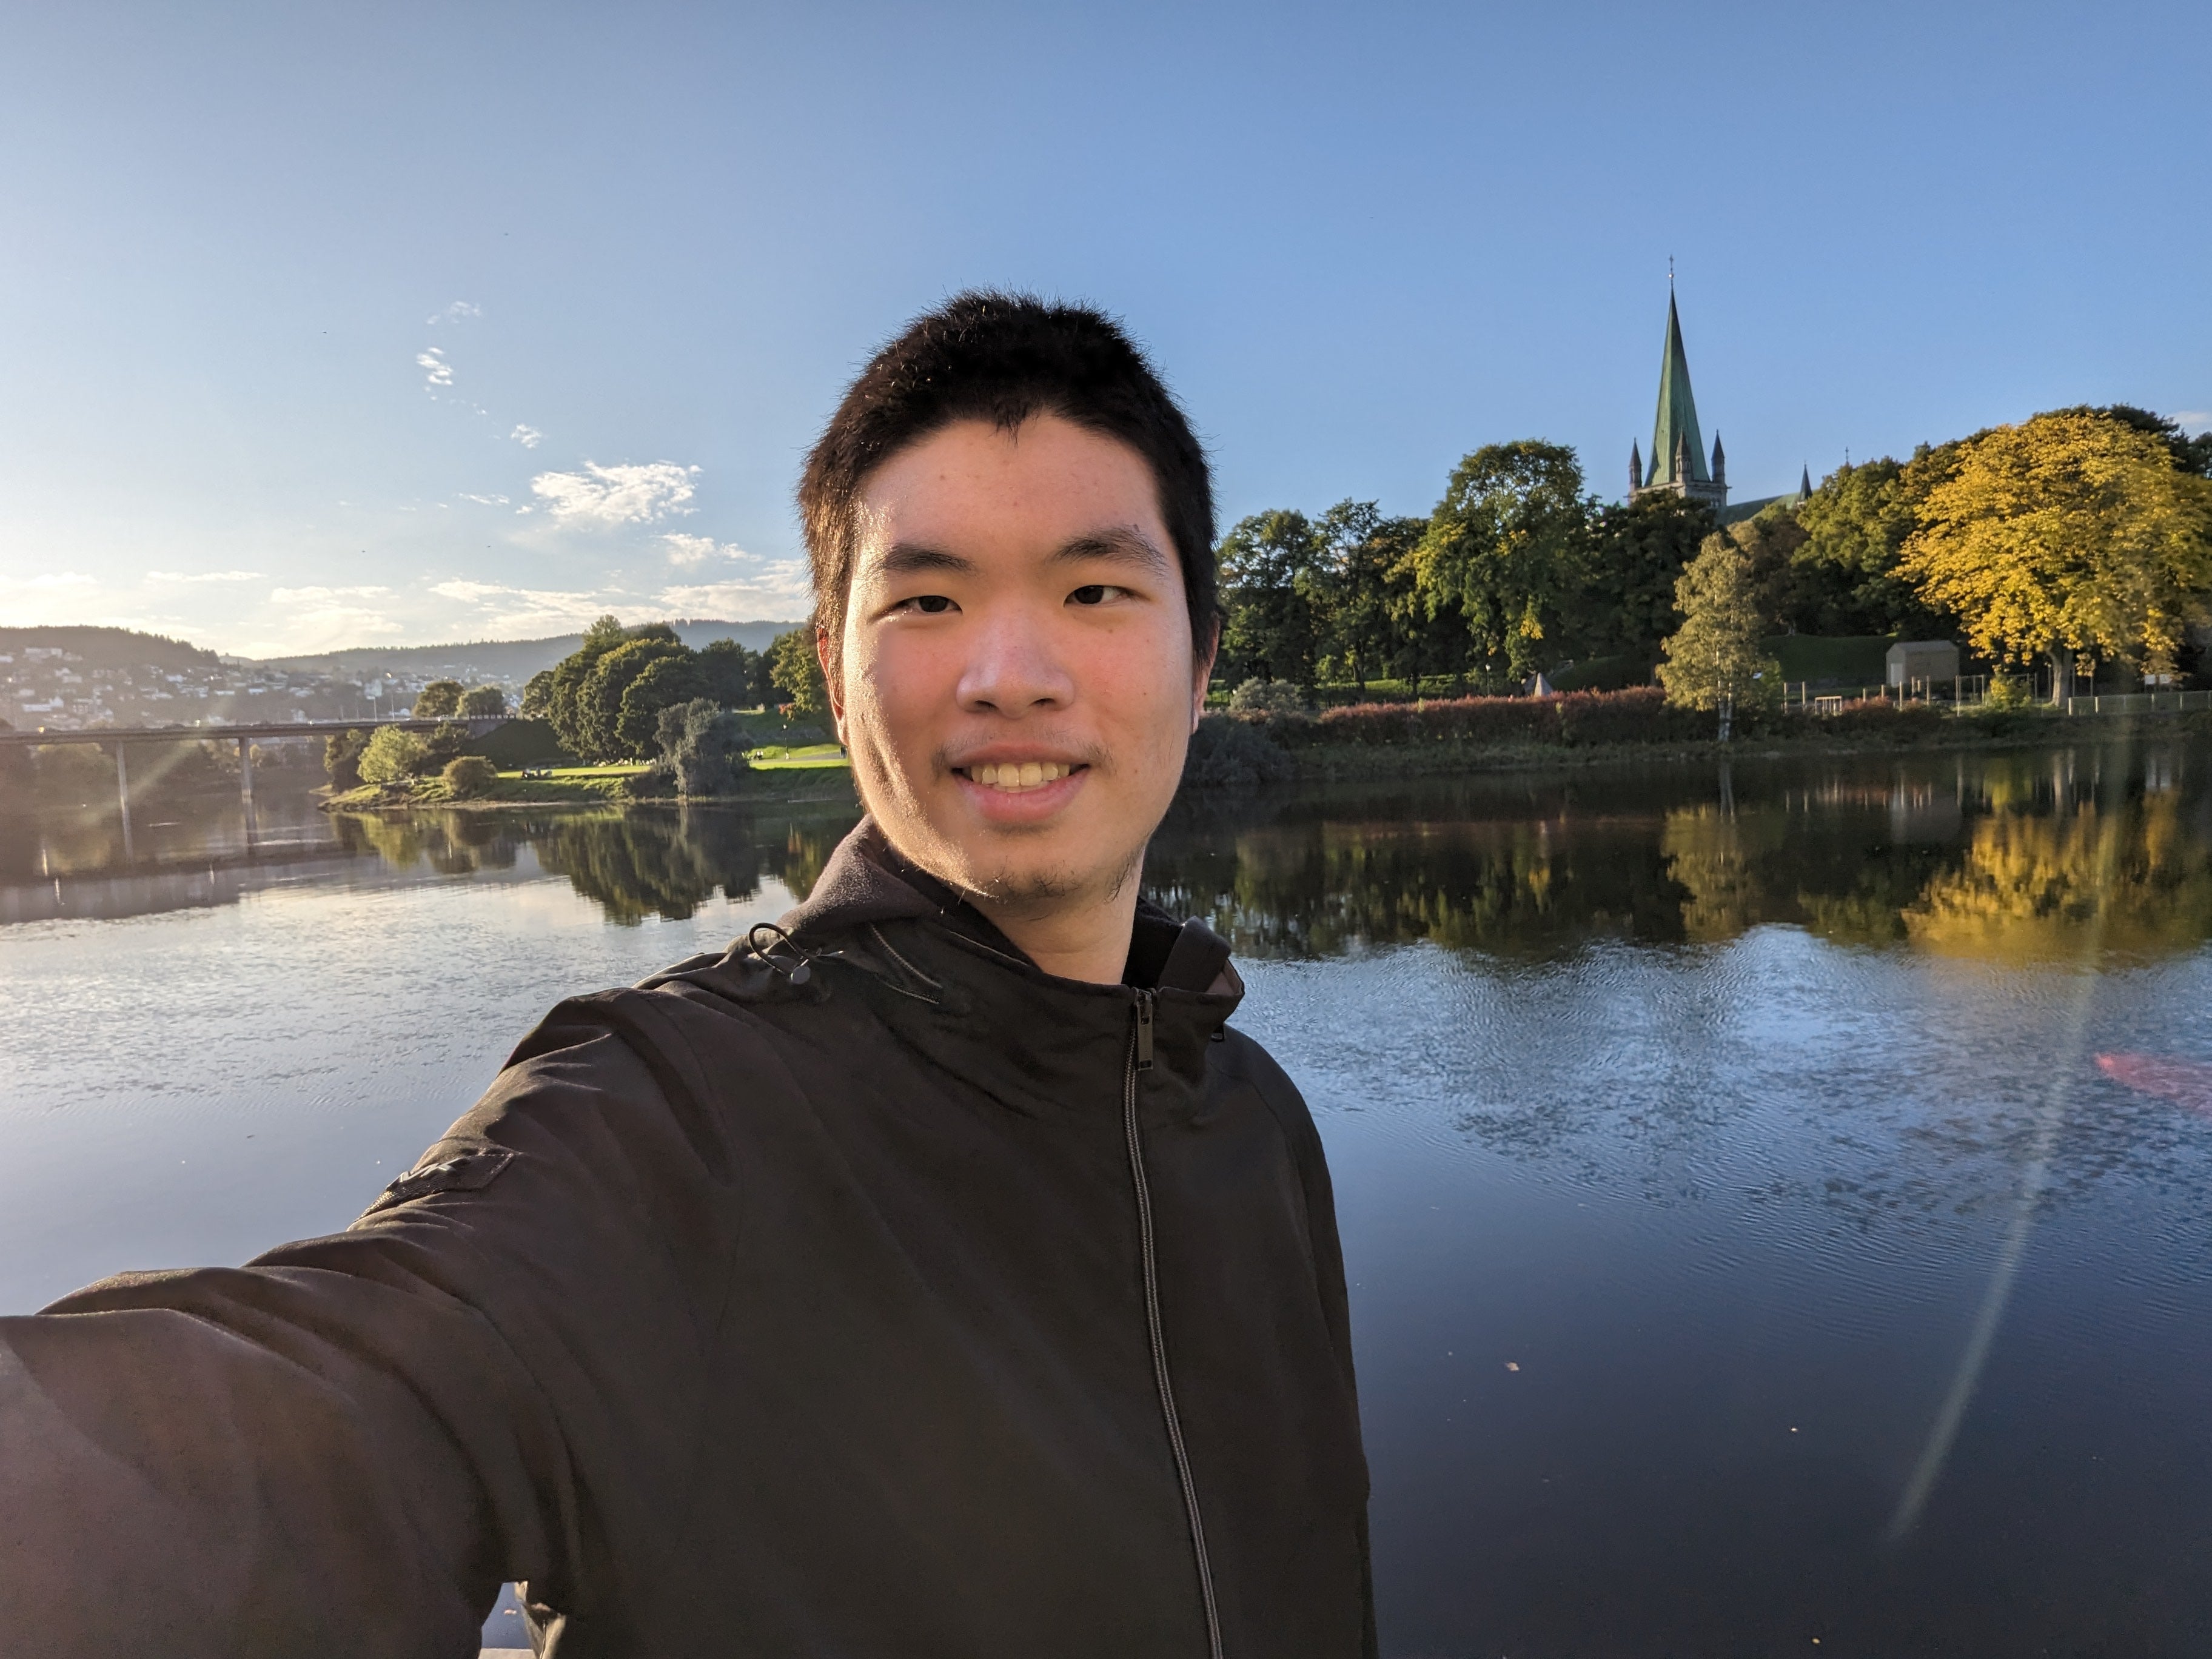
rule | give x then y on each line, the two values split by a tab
1003	358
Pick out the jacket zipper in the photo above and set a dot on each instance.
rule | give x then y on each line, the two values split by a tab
1140	1060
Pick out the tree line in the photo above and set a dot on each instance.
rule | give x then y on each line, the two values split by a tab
605	700
2084	531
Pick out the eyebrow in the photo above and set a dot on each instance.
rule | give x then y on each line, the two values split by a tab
1121	544
1118	544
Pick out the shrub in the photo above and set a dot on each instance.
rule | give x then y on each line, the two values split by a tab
1878	716
1477	719
469	775
1229	751
1260	696
702	746
2007	691
391	755
1640	715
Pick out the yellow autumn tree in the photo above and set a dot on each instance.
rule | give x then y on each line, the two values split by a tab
1714	659
2070	533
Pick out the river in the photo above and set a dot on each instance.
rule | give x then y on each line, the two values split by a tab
1775	1194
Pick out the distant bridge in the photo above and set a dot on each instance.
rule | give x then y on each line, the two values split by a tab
118	736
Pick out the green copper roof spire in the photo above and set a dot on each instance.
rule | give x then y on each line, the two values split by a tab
1676	428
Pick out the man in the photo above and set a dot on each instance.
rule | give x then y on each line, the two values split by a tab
935	1274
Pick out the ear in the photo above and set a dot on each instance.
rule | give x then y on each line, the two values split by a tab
1202	672
825	653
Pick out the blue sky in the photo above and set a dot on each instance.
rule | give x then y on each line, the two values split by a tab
302	307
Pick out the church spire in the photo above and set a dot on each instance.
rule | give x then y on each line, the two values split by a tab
1635	470
1675	431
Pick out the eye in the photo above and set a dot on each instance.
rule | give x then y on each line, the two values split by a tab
1096	594
930	605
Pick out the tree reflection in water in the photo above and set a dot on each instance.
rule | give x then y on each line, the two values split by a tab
2006	856
645	861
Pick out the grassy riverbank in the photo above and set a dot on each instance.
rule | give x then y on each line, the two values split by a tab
812	772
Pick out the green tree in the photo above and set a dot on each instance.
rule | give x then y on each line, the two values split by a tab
2069	533
1637	552
392	755
1362	590
439	699
703	746
563	699
731	675
482	702
537	696
1274	572
342	757
599	701
796	672
1845	578
1508	545
1714	660
665	682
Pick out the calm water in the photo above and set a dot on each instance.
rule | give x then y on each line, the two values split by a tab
1748	1246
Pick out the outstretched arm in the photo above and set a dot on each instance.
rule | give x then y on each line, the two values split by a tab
347	1446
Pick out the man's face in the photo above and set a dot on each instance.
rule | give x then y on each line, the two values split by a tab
1016	681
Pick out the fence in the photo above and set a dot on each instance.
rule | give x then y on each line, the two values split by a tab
2139	703
1961	690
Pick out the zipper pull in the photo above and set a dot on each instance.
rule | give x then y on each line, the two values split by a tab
1144	1030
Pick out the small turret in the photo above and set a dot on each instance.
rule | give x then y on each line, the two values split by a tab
1681	459
1720	459
1805	485
1635	469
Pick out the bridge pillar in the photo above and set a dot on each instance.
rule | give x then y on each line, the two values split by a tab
123	801
246	786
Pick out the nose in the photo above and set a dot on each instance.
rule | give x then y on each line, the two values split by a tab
1013	669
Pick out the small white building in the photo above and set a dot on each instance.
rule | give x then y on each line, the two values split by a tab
1922	659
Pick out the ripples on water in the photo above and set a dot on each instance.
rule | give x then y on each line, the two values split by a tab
1678	1118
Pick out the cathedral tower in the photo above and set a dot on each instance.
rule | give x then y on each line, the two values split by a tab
1679	465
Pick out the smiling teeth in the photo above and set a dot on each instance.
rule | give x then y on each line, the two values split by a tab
1026	774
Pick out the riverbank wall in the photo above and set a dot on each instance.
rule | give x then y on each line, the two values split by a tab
1484	734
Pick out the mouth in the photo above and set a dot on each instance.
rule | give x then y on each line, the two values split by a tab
1019	777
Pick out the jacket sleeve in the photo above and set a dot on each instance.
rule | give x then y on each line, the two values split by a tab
345	1447
1303	1141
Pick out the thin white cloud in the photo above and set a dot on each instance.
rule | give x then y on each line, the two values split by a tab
54	579
616	495
455	313
690	552
322	595
518	611
436	367
2193	420
774	590
486	501
203	575
528	436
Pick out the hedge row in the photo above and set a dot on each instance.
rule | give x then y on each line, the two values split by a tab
1640	715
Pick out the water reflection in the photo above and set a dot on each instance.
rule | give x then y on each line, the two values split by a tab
633	864
2012	856
2008	856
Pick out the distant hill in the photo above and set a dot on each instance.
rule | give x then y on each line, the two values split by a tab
511	660
108	647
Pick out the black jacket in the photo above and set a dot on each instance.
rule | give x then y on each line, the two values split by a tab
875	1293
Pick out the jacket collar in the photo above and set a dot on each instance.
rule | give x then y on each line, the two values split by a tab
982	1009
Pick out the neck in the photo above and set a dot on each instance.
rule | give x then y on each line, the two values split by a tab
1084	938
